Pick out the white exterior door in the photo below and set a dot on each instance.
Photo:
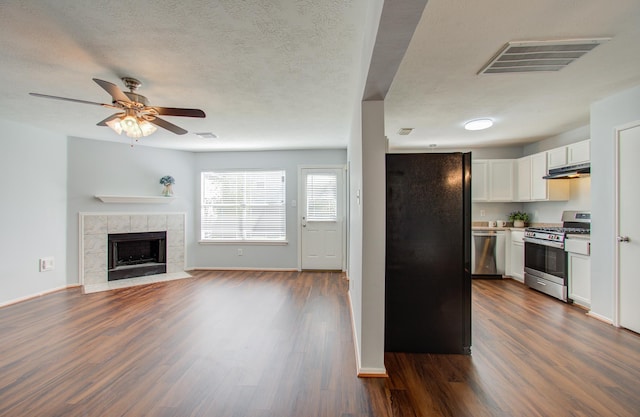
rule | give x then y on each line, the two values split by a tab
321	218
628	238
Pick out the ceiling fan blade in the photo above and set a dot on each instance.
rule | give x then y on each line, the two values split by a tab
167	125
111	106
108	119
174	111
113	90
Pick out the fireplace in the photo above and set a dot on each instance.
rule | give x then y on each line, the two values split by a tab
136	254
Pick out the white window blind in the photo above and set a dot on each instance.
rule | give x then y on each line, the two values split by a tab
322	197
243	206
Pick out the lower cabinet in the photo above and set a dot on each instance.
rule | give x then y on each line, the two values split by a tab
516	255
579	279
579	270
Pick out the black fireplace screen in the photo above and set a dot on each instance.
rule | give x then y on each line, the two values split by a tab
137	254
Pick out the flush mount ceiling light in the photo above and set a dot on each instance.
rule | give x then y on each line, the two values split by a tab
534	56
478	124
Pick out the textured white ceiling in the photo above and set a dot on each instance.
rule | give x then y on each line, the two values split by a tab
268	73
278	74
436	89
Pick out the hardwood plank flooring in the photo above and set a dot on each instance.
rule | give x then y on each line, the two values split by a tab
279	344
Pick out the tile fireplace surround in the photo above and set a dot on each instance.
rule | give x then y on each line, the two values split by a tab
94	230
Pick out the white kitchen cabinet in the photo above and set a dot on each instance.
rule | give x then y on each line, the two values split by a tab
524	178
479	181
531	185
516	255
493	180
579	269
557	157
579	152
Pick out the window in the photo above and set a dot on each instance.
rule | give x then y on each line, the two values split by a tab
243	206
322	196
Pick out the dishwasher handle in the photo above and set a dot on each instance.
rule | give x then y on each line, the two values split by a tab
490	233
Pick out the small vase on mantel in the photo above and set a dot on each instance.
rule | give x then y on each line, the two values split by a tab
167	191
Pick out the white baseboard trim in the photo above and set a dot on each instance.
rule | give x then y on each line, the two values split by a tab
239	268
599	317
40	294
360	371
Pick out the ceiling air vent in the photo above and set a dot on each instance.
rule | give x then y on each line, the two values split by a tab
404	131
531	56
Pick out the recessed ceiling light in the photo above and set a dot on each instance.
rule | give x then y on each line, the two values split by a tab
206	135
478	124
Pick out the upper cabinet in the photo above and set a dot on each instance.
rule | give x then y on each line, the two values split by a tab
556	158
576	153
524	178
510	180
479	181
493	180
531	185
579	152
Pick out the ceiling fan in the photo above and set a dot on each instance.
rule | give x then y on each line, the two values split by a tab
135	116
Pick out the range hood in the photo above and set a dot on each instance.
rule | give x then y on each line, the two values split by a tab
570	171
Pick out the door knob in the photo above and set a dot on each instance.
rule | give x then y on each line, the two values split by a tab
623	238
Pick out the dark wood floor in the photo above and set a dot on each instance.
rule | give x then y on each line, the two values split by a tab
279	344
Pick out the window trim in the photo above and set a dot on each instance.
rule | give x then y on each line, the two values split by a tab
258	242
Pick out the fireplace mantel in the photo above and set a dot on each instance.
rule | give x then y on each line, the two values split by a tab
122	199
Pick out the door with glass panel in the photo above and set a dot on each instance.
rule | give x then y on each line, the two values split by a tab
321	218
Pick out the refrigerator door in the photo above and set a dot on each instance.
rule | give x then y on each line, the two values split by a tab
428	253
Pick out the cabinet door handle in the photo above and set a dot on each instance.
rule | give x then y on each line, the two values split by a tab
623	239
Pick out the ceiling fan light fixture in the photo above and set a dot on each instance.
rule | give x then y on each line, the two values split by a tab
115	125
134	126
147	128
478	124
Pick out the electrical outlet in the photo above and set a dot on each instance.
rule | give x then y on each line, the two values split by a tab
47	264
482	213
240	252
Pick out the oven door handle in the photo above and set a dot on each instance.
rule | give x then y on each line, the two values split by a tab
558	245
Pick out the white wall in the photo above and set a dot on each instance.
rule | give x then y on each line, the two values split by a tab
110	168
257	255
33	165
566	138
606	115
359	302
373	196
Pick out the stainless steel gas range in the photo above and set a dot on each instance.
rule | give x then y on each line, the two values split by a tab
545	260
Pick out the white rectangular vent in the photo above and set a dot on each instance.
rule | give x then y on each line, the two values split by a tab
206	135
531	56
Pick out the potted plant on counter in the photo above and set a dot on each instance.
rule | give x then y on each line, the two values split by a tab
519	218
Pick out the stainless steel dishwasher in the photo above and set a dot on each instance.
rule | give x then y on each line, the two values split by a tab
487	253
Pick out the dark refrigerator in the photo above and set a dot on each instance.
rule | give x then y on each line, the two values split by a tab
428	253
